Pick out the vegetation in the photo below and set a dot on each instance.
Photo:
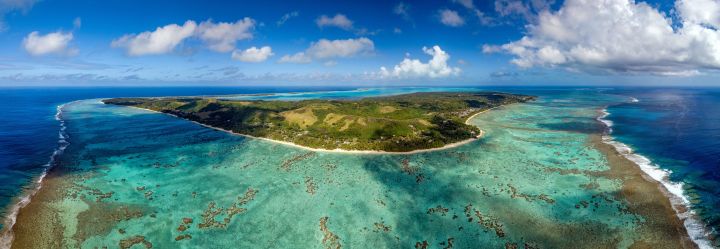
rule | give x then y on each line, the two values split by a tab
394	123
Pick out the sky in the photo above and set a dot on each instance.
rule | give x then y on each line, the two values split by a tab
359	43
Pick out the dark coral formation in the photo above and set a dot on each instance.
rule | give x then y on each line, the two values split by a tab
182	237
310	185
380	226
515	194
134	240
287	164
330	240
485	221
421	245
212	211
439	209
449	244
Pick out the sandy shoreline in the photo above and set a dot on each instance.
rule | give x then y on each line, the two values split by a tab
371	152
645	196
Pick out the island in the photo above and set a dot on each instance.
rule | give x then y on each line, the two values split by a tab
400	123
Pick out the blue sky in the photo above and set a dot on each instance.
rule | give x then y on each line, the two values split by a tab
454	42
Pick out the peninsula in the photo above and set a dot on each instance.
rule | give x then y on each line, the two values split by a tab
400	123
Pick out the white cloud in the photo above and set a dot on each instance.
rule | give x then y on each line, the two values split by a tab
52	43
436	67
705	12
451	18
222	36
287	17
8	6
622	36
327	49
253	54
299	58
162	40
403	10
339	20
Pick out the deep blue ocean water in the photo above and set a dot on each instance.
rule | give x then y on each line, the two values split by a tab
29	131
677	129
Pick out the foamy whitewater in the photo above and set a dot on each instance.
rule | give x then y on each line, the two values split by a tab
7	236
680	202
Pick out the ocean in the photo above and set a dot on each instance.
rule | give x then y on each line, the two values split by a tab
522	175
676	130
29	128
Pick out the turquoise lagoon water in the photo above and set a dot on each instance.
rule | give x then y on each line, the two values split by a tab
505	189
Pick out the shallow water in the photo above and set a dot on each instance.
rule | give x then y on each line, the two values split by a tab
532	180
29	131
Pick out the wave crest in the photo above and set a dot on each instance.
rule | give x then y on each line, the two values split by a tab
7	236
680	202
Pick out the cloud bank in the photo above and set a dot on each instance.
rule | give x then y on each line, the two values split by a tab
51	43
338	21
253	54
622	36
437	67
220	37
328	49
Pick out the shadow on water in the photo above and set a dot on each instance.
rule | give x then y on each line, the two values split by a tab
503	220
115	135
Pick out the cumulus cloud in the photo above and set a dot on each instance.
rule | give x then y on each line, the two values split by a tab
51	43
622	36
339	21
705	12
162	40
287	17
451	18
325	48
437	67
299	58
328	49
222	36
253	54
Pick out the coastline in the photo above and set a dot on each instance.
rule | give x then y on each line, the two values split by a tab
645	195
23	200
369	152
674	205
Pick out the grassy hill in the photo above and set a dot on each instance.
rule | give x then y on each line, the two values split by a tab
394	123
